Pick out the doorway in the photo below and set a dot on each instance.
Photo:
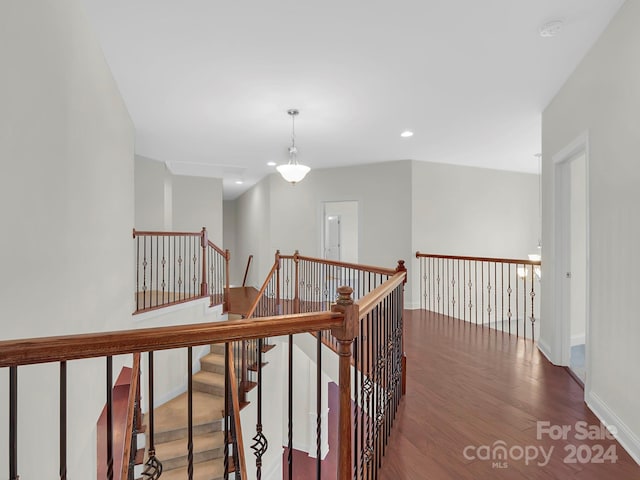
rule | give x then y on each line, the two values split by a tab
340	231
571	172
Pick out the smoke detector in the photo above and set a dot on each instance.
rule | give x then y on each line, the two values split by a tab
551	29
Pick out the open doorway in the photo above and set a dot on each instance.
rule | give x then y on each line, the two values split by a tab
340	231
573	230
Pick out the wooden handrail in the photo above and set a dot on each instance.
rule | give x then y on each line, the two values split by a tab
246	271
139	233
480	259
262	290
224	253
371	299
92	345
355	266
233	385
131	413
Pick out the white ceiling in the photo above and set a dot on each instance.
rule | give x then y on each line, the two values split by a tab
208	83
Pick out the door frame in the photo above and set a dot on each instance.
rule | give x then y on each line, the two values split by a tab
561	163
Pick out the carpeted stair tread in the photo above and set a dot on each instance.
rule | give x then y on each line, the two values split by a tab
213	363
212	470
209	382
171	417
174	454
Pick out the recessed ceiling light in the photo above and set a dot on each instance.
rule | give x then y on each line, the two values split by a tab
551	29
272	164
239	182
407	134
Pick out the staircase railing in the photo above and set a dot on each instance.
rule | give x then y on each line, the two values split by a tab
496	292
296	284
176	267
374	322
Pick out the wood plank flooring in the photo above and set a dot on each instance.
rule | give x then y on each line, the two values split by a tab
472	387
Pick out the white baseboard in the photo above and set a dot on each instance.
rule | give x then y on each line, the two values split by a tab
544	348
412	305
627	438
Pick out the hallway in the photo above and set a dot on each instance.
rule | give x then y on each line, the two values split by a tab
469	387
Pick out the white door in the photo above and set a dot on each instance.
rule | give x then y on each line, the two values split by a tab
572	177
332	237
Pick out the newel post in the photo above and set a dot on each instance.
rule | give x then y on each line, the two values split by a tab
345	336
204	241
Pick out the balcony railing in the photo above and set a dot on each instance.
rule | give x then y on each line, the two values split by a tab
176	267
496	292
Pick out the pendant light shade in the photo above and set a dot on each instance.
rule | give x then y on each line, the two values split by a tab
293	172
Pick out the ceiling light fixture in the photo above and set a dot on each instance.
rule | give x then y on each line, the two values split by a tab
407	134
271	164
293	172
239	182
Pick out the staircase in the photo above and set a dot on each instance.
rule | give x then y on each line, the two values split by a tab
171	432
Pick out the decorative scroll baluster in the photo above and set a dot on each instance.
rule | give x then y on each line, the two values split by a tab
260	444
153	467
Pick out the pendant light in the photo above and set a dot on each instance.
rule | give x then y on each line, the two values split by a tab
293	172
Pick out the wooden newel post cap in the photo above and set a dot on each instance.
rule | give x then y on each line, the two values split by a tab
344	296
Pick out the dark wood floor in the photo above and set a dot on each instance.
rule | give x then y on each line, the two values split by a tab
470	387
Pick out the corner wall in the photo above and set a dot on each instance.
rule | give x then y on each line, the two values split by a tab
458	210
601	99
67	209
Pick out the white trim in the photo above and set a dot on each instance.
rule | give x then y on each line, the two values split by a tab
560	161
627	438
159	312
544	348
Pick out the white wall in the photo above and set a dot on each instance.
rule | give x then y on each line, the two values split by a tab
601	97
229	241
150	191
197	203
471	211
403	206
67	209
384	210
252	234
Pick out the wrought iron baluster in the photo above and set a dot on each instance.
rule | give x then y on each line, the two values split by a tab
290	411
319	406
109	384
63	421
13	423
